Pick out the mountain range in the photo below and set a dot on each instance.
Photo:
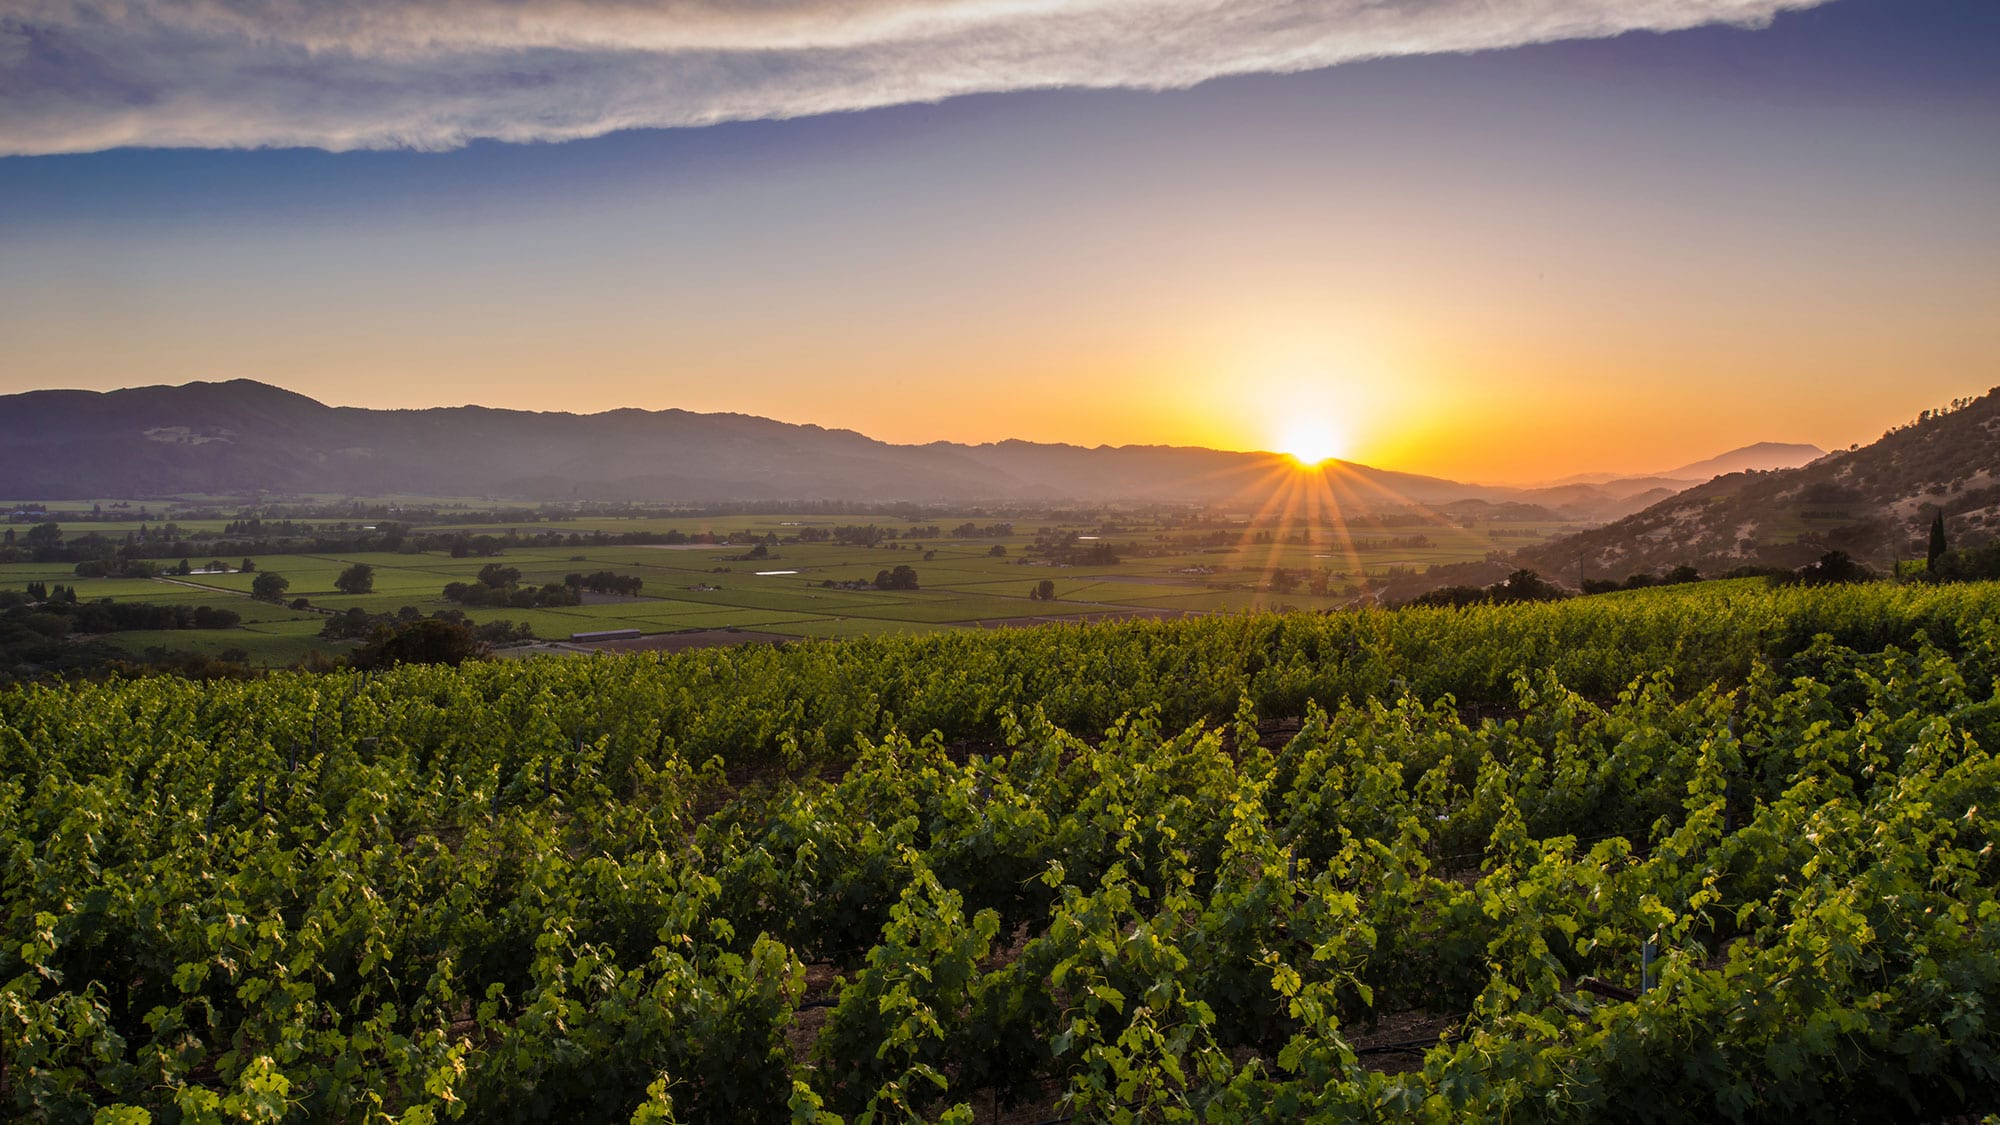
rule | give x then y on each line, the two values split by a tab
244	436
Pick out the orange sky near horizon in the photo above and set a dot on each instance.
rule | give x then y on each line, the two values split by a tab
1618	255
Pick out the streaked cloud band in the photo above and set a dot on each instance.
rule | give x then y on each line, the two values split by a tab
349	74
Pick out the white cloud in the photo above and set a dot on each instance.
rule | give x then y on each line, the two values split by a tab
433	74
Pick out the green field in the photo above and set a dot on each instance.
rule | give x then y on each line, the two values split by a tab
699	587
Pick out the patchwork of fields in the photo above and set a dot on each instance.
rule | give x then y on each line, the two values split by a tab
963	584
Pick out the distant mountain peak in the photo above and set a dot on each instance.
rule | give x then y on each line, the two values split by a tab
1762	456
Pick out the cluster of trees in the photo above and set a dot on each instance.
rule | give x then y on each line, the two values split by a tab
967	530
107	616
1220	537
37	630
117	568
470	546
1966	564
1520	586
847	535
359	624
356	579
1835	568
59	613
1393	543
40	543
1317	582
606	582
1043	591
36	646
1925	417
258	528
47	542
499	585
901	578
123	567
1642	580
429	640
1067	549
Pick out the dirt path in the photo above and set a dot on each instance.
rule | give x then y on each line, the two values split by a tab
237	594
199	586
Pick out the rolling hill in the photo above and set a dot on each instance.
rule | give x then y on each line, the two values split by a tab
1874	502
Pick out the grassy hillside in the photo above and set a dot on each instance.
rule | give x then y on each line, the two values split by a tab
1874	502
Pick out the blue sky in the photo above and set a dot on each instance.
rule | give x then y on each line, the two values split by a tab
1508	263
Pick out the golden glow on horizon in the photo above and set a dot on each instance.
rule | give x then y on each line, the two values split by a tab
1310	440
1312	399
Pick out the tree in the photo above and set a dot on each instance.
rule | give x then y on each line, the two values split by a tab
1833	568
499	576
1524	586
356	579
270	586
998	551
1044	591
901	578
429	641
1938	546
249	566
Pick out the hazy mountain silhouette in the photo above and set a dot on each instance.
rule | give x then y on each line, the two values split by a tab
245	436
1763	456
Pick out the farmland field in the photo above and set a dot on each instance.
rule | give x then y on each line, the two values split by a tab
1161	570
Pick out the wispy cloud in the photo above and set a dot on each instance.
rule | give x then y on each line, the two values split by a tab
432	74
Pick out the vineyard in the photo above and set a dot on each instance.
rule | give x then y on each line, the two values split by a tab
1707	852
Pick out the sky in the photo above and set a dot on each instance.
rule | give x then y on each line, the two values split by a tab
1497	240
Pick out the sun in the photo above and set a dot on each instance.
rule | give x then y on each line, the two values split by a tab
1310	440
